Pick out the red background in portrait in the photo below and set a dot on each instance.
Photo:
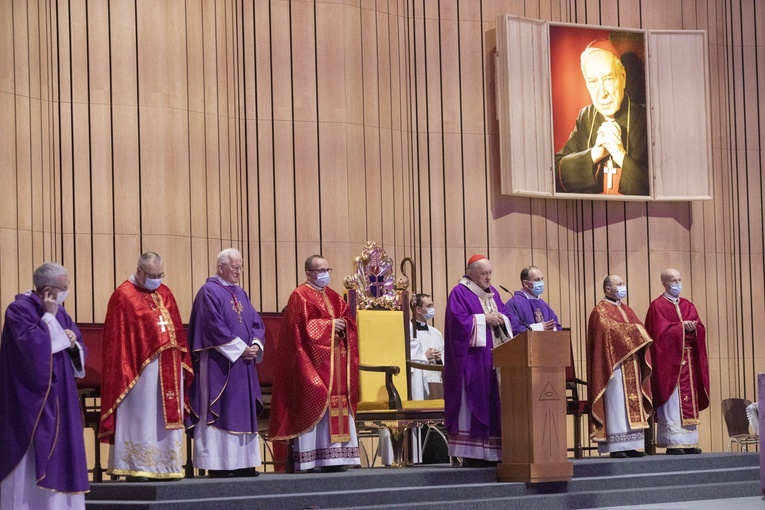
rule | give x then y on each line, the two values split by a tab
569	93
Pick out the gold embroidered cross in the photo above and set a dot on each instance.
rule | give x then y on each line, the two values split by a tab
236	305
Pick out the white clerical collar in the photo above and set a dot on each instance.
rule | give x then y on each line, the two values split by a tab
672	298
132	280
224	282
529	296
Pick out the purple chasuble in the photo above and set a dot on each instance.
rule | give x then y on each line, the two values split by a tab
220	314
38	399
469	367
523	312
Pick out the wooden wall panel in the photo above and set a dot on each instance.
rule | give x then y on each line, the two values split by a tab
286	128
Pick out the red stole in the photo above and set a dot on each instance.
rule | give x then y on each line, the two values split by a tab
615	336
680	356
139	327
316	369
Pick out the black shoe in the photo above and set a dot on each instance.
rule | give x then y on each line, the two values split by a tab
693	451
131	478
221	473
634	453
478	463
675	451
246	472
618	455
329	469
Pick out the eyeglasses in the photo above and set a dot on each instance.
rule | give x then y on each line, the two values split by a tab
63	289
317	271
235	269
150	276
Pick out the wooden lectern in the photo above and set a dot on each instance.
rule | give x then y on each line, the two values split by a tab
533	394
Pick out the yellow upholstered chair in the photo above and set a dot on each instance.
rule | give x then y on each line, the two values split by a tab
379	302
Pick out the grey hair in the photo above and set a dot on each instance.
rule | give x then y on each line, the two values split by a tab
148	258
47	275
224	257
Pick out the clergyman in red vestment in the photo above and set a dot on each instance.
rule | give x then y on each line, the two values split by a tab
147	372
680	378
315	389
618	371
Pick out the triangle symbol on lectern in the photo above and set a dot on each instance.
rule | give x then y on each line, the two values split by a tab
549	393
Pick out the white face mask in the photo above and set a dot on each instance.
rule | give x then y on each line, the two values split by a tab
61	296
322	280
621	292
152	284
430	313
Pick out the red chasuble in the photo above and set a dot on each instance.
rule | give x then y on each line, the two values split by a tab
615	336
316	367
680	357
141	326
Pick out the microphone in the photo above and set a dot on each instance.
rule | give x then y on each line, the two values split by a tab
505	289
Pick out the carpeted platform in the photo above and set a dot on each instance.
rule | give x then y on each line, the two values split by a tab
597	482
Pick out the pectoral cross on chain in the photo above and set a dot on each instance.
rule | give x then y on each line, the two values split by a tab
162	323
610	171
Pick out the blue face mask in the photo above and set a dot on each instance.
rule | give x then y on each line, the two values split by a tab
152	284
430	313
537	288
322	280
621	292
675	289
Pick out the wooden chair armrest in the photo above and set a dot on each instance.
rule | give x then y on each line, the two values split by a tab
425	366
394	399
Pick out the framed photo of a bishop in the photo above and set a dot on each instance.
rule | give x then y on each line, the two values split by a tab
600	124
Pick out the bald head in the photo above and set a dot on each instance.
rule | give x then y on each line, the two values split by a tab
673	284
611	286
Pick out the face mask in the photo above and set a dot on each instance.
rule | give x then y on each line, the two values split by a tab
322	280
675	289
61	296
537	288
152	284
430	313
621	292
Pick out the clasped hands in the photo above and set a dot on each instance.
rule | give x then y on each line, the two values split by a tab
433	354
339	328
494	319
690	326
609	143
251	352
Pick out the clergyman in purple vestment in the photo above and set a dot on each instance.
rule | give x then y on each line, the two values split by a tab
526	310
226	337
474	325
43	462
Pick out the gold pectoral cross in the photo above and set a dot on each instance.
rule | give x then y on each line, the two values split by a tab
162	323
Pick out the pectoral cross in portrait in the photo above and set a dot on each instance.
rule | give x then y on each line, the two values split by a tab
162	323
610	172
